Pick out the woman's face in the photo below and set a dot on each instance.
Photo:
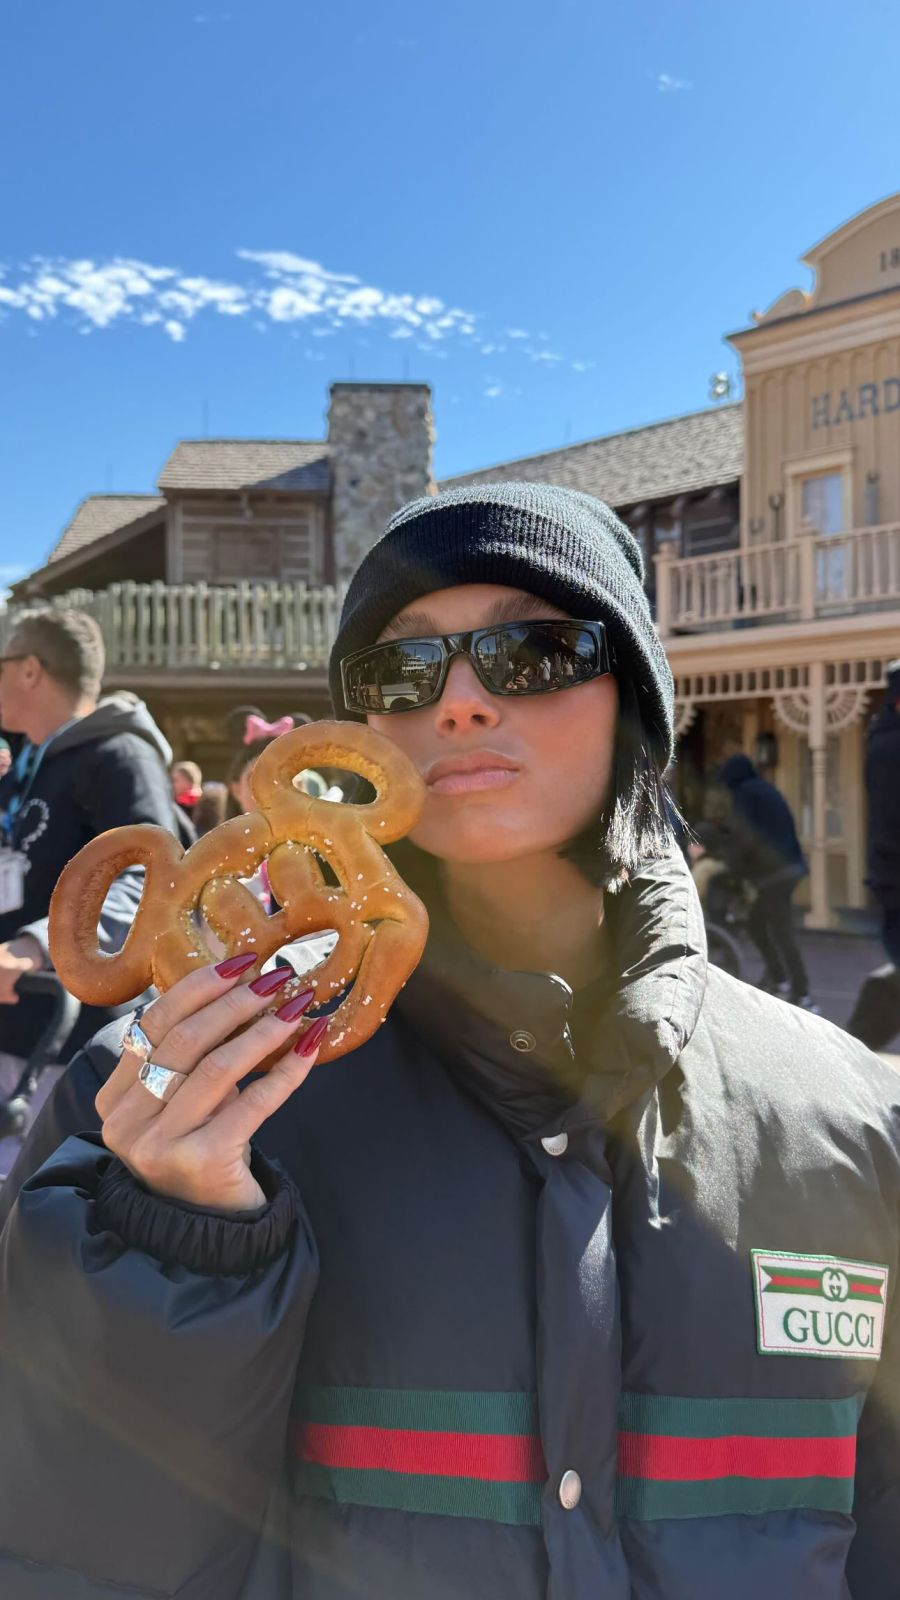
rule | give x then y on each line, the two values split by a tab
542	764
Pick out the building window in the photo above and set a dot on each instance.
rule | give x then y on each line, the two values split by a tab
822	516
709	535
822	502
250	553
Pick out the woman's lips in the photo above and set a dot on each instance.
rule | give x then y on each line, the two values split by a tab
468	782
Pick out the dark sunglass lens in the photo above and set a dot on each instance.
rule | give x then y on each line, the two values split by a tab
394	677
528	658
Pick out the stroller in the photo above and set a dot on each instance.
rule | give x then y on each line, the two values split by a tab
25	1085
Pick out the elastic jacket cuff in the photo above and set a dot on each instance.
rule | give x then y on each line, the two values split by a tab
180	1234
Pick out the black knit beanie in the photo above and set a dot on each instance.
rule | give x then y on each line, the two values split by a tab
560	544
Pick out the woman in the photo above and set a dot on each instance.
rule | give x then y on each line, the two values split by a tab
494	1307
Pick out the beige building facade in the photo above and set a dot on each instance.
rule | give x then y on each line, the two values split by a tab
789	634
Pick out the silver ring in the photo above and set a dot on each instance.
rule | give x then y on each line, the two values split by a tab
135	1038
160	1080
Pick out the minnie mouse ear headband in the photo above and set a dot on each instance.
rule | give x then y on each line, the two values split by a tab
257	727
248	724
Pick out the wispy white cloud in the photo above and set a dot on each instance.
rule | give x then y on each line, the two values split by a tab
667	84
273	288
284	288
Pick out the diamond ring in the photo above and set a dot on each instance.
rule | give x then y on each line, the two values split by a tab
135	1038
160	1080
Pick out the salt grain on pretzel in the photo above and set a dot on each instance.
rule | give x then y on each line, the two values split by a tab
287	831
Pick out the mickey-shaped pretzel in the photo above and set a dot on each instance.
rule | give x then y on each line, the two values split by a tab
380	923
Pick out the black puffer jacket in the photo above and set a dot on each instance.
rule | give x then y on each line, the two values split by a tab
883	791
551	1298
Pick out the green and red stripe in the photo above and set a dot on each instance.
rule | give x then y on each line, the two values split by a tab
440	1451
700	1458
859	1287
479	1455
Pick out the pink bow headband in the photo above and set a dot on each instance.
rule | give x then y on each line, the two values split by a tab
258	728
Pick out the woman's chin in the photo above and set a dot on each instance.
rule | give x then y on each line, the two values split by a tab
470	846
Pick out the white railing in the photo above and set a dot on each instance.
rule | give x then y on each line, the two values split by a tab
801	579
202	627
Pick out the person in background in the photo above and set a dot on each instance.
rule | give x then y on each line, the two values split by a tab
876	1015
883	793
211	808
86	764
257	735
187	780
764	850
5	758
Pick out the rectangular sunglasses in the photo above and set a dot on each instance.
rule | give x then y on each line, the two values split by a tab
512	658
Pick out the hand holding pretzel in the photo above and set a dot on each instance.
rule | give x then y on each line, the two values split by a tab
213	1030
380	923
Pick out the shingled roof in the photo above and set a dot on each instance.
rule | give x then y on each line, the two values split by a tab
698	451
100	514
291	464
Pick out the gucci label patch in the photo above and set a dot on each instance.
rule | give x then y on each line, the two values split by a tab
818	1305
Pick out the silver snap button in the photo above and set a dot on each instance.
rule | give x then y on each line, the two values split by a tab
569	1490
521	1039
557	1144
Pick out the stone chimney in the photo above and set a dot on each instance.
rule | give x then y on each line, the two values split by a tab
380	437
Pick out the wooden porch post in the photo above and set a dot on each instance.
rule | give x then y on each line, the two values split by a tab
819	913
664	576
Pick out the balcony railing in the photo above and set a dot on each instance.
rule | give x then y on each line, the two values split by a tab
813	576
202	627
186	627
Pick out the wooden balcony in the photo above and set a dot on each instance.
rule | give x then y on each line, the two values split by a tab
811	578
153	631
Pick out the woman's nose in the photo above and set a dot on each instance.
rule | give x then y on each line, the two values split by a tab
465	702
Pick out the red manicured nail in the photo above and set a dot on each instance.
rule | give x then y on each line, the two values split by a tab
235	965
309	1041
269	982
292	1009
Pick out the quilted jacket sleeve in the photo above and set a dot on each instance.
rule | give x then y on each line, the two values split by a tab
147	1358
873	1569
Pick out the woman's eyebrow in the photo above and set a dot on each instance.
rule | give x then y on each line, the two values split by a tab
512	608
521	608
409	625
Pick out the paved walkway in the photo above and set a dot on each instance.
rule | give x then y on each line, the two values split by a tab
837	963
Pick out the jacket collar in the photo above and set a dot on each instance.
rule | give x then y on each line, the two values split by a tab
536	1053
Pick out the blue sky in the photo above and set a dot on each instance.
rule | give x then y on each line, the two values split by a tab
210	209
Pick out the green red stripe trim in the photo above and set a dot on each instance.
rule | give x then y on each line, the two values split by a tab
452	1453
697	1458
438	1451
812	1283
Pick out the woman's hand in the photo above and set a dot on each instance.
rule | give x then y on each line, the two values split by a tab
195	1145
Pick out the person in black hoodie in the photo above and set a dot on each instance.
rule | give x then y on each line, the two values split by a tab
883	791
85	765
766	853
